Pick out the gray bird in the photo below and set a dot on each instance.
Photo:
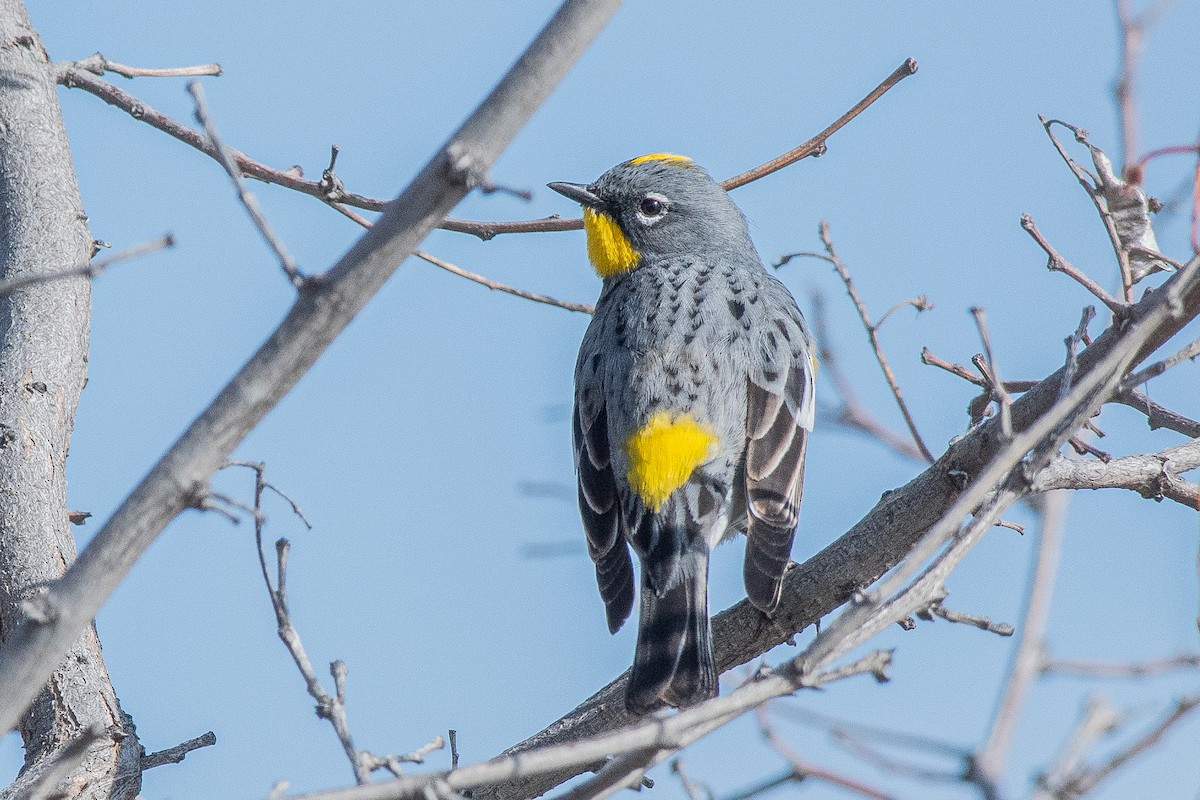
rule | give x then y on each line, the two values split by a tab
693	402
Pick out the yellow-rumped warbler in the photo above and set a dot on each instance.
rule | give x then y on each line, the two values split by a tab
693	403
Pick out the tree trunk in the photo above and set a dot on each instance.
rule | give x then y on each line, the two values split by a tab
43	363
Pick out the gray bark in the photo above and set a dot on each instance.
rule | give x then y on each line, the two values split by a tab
323	309
43	363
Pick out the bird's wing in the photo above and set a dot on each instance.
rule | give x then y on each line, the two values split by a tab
599	506
780	407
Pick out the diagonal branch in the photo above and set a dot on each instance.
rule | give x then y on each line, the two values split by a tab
319	314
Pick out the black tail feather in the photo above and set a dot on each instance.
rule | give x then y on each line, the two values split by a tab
674	662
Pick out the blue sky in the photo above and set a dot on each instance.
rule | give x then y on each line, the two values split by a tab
412	443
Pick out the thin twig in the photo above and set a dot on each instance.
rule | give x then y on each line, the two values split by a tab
871	328
454	269
78	75
1085	781
249	201
176	754
1188	353
1056	263
1119	669
816	145
1072	343
1098	719
1158	415
1133	32
852	414
90	270
582	308
988	763
802	768
98	64
974	620
991	373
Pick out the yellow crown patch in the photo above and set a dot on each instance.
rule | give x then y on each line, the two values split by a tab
673	157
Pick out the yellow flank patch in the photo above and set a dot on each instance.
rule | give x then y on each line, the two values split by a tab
660	157
608	247
663	453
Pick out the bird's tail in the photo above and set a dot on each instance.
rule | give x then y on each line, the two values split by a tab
674	662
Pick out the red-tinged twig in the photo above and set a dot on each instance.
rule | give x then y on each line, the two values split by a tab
1158	415
99	65
1056	263
802	768
988	763
80	75
830	256
816	145
1133	32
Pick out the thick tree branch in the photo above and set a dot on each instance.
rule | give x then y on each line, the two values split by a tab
180	479
884	536
1152	475
43	366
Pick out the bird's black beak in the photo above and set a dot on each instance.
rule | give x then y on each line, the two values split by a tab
578	192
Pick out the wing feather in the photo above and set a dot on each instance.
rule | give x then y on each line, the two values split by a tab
600	510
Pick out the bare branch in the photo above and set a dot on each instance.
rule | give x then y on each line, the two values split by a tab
90	270
816	145
583	308
176	754
974	620
249	201
1085	780
852	414
1188	353
991	373
988	763
1056	263
32	651
802	768
1098	719
99	65
1158	415
1117	669
872	331
79	75
1152	475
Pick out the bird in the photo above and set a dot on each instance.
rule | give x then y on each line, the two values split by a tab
693	404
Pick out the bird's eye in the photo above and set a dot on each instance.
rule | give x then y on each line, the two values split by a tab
652	207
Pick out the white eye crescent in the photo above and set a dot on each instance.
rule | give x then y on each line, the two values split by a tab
652	208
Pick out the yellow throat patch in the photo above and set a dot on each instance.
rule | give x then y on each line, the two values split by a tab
663	453
608	247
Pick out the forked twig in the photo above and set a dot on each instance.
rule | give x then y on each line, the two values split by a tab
920	303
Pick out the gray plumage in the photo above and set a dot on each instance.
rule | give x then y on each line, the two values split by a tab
698	329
